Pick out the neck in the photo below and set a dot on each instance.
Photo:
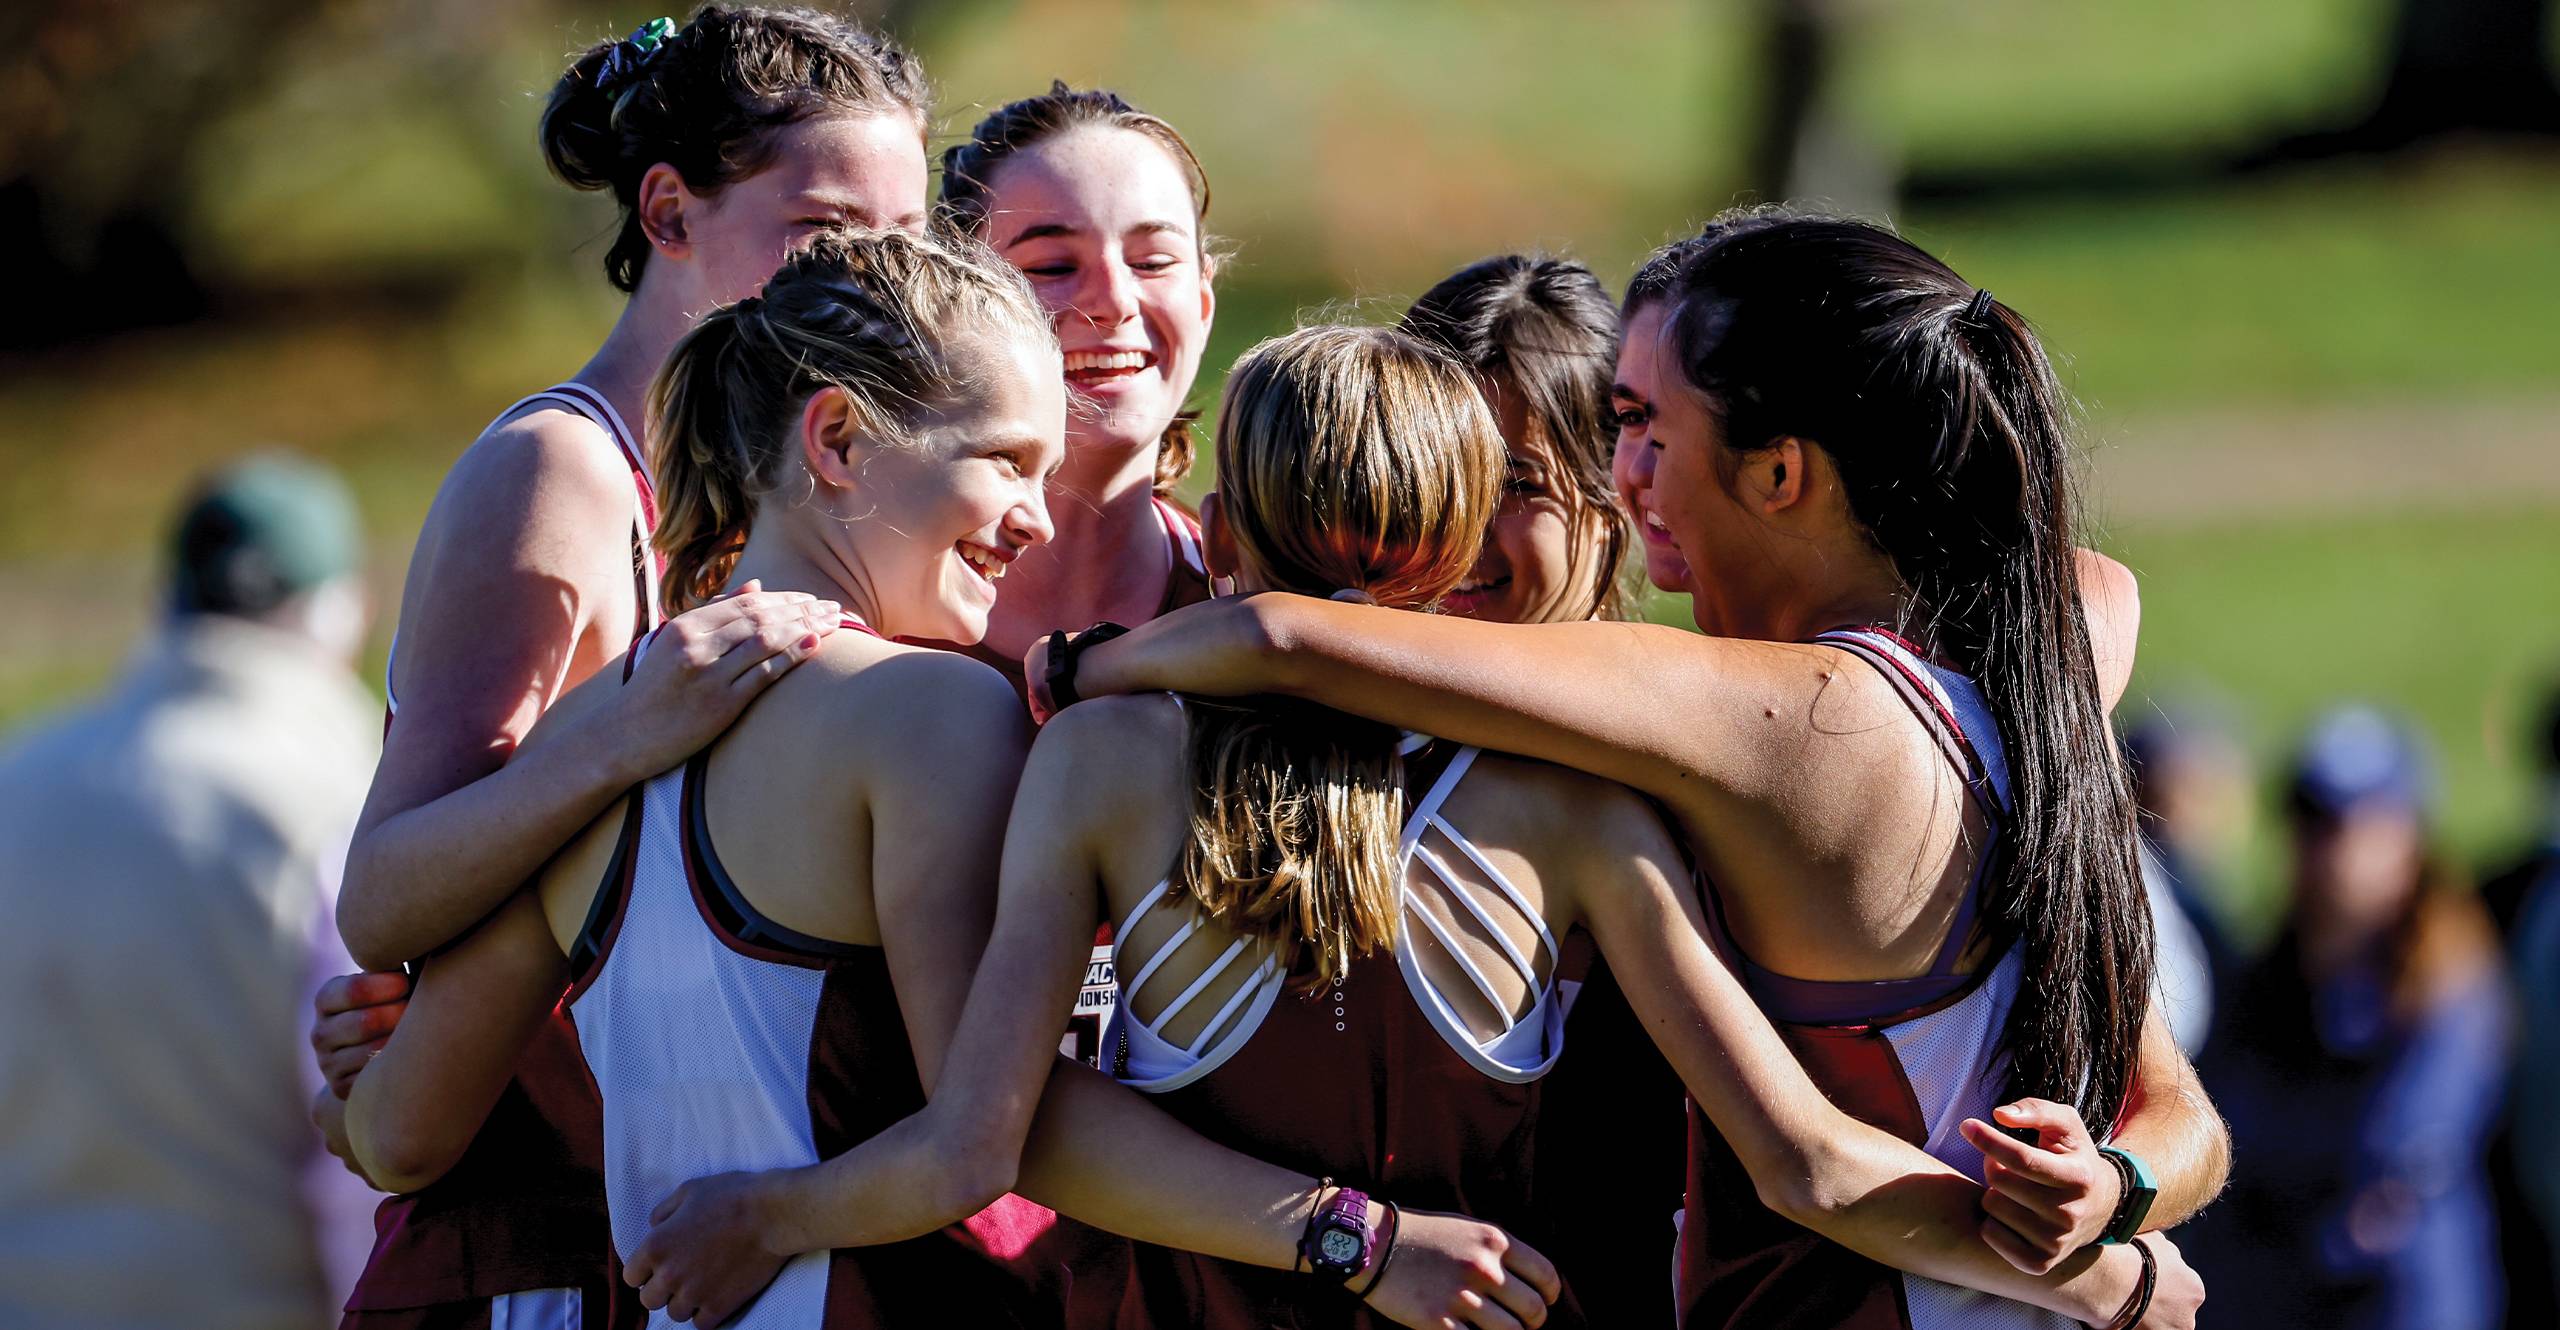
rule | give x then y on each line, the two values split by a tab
1108	559
1097	471
652	322
792	556
1812	597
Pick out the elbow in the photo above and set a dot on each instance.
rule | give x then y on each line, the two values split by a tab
401	1170
1271	649
2216	1167
1800	1191
399	1157
368	939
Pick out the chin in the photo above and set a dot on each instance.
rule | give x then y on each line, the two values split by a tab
962	628
1666	572
1114	426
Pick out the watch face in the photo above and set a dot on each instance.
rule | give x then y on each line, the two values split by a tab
1340	1246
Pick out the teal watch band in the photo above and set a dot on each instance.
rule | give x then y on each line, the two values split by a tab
2141	1188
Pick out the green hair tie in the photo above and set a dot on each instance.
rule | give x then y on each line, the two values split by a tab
628	57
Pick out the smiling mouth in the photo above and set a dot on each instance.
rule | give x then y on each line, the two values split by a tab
981	560
1654	530
1477	587
1087	369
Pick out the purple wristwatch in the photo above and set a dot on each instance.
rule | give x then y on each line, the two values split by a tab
1338	1241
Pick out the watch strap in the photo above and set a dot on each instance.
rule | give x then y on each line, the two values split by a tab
1063	651
2133	1202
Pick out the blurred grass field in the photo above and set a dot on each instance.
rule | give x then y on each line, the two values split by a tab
2321	406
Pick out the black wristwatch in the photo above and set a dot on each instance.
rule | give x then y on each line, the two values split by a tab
1063	651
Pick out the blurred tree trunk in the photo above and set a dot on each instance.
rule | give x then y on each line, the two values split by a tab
1805	145
2466	64
105	102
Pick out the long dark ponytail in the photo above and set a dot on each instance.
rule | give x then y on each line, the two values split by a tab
1950	433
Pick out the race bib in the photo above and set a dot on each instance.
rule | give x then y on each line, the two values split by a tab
1094	1002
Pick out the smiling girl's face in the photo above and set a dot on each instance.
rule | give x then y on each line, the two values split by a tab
1533	568
1102	221
935	522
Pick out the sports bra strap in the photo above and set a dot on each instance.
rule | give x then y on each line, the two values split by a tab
1144	1039
1428	809
1918	684
1501	940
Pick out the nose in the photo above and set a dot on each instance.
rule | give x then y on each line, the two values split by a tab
1109	296
1633	463
1028	523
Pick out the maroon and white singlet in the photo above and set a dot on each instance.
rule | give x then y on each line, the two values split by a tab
1377	1081
515	1231
722	1041
1914	1057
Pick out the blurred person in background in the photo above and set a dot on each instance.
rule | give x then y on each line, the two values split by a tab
173	847
2362	1062
2533	875
2524	898
2191	789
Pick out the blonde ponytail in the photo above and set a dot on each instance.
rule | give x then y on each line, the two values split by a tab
1348	458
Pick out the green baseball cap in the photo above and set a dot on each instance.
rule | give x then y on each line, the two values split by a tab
260	531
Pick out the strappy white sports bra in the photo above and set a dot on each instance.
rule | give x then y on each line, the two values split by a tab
1523	1050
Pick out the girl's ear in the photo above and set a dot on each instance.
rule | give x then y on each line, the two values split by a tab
1779	477
831	439
662	207
1217	541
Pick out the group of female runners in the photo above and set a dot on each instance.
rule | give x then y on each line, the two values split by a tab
746	914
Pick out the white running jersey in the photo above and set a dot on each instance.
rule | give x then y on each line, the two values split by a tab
700	1048
722	1041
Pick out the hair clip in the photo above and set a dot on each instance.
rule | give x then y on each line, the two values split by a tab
630	56
1981	306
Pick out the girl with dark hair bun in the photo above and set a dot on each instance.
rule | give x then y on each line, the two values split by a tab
1888	755
725	140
